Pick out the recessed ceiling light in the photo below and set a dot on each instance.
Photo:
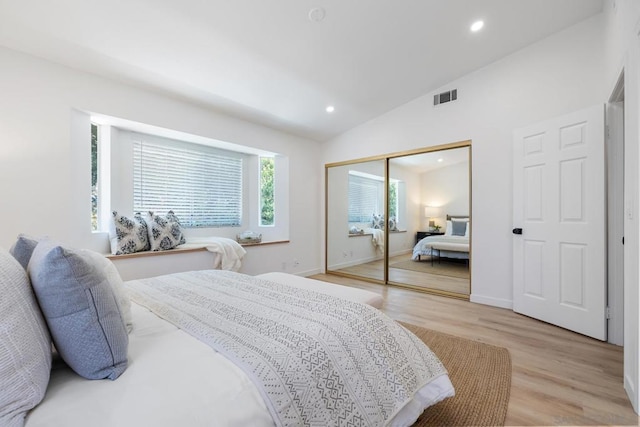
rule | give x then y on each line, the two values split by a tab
440	160
477	26
330	109
317	14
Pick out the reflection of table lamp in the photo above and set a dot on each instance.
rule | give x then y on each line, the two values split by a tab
431	212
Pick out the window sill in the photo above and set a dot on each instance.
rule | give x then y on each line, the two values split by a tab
184	250
359	234
273	242
369	234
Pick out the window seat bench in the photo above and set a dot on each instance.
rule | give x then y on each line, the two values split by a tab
186	257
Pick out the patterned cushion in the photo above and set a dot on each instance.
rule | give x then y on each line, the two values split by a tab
164	232
23	248
393	225
81	310
129	235
25	345
378	222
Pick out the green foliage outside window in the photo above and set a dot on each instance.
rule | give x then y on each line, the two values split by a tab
94	177
267	168
393	199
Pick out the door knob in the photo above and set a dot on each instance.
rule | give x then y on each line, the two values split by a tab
517	231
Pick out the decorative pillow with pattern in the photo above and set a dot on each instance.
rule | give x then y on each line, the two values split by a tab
129	235
378	222
393	224
164	232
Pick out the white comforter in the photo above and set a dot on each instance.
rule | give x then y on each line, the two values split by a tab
423	247
174	379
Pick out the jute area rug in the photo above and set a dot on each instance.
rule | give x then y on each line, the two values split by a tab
481	376
444	268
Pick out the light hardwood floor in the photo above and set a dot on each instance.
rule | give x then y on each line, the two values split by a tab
559	377
375	270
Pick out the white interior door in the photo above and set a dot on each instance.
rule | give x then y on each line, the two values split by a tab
559	260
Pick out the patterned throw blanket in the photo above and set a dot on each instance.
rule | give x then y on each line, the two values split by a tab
317	360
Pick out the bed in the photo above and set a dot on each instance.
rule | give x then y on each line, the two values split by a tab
454	243
218	348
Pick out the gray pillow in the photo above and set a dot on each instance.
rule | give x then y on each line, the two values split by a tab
23	248
81	310
458	228
25	344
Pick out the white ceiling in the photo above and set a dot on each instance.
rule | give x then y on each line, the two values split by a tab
427	162
267	62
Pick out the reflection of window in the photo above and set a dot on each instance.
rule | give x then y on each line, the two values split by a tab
366	198
202	185
94	177
393	199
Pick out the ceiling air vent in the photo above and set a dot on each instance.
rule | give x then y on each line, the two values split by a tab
443	97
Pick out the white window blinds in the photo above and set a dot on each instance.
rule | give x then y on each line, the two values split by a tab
365	198
201	185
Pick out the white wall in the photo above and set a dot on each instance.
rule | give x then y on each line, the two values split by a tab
622	37
45	163
558	75
448	189
411	209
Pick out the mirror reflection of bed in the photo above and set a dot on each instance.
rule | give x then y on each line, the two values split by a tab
427	191
440	259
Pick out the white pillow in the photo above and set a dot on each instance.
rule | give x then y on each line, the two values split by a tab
25	344
449	229
111	273
468	230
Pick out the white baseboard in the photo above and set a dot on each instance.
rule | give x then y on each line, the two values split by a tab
495	302
631	393
354	262
309	272
401	252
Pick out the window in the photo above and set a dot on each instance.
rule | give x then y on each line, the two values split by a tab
94	177
208	183
202	185
267	172
366	197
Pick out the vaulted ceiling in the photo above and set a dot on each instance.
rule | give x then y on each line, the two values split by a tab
282	62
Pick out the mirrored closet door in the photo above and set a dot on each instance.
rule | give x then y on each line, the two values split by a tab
355	211
407	218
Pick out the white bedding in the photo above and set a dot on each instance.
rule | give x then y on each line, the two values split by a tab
353	294
174	379
156	389
423	247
